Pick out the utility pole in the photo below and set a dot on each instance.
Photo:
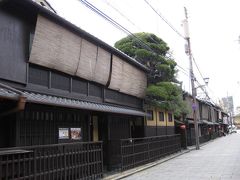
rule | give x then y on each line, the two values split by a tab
194	93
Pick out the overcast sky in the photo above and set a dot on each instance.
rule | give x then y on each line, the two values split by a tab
214	31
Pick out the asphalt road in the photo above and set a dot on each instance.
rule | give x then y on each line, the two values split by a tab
219	159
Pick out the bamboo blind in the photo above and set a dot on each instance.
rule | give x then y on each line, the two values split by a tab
55	47
102	70
58	48
87	62
127	79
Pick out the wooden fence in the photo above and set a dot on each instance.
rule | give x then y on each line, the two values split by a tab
139	151
59	161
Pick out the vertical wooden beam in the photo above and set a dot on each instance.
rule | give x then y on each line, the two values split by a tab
49	79
103	94
27	72
71	83
88	88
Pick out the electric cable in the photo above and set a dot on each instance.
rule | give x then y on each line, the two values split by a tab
120	27
164	19
125	17
116	24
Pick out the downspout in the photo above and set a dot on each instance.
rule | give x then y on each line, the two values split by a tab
21	100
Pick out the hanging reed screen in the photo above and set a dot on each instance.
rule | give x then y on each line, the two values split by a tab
57	48
127	79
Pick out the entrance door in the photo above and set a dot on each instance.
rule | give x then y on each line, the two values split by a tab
136	128
103	136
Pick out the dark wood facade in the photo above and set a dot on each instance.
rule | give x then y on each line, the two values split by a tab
40	122
15	31
54	82
209	118
85	87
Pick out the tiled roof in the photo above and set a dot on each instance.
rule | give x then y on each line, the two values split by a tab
69	103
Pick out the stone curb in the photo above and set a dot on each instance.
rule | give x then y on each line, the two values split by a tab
149	165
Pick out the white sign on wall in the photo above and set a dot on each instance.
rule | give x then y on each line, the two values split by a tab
63	133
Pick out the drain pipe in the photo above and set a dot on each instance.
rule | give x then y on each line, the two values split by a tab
21	100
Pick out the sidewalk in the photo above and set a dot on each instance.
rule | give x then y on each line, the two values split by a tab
217	159
120	175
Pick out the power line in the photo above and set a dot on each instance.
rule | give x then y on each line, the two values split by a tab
204	90
204	80
119	12
103	15
198	68
122	28
113	22
185	72
164	19
125	17
119	26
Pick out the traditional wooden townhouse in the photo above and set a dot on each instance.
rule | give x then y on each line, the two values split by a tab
216	119
209	117
224	122
159	122
71	106
236	120
65	96
189	121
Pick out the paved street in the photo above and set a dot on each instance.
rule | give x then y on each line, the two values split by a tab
219	159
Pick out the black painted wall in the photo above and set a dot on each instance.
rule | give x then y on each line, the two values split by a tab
14	45
39	125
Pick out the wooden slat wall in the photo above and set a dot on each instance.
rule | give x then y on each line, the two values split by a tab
57	48
127	79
